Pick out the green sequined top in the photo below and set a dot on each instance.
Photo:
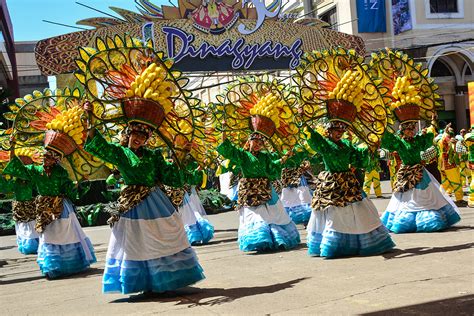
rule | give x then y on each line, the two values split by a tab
57	183
340	156
409	151
298	157
23	189
192	176
148	170
262	165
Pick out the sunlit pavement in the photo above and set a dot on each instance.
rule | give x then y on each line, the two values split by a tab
428	273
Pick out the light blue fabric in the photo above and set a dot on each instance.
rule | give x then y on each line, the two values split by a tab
331	244
235	193
61	260
27	246
421	221
199	233
275	197
424	182
56	260
299	214
157	205
258	236
156	275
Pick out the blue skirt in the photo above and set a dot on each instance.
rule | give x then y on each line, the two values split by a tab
149	250
259	231
198	229
354	229
27	246
263	236
423	209
199	233
27	239
332	244
299	214
72	251
297	202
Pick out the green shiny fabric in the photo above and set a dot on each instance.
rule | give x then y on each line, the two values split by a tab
192	176
262	165
57	183
409	151
297	159
340	156
23	189
148	170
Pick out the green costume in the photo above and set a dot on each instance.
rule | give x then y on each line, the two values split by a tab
263	165
57	183
22	189
409	151
147	170
338	157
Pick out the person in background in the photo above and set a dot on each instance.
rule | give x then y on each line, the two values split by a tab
450	165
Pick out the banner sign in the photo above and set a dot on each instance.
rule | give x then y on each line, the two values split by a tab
371	16
401	16
243	55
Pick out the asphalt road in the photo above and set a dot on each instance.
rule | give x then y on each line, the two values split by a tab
428	273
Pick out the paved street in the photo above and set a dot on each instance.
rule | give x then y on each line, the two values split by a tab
426	274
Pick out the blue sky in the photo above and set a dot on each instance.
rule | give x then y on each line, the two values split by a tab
27	15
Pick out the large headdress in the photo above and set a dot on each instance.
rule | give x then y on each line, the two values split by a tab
412	94
129	82
335	85
259	105
54	119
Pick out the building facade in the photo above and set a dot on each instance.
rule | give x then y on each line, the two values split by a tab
438	33
29	75
8	66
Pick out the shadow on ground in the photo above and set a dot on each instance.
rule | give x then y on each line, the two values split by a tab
85	274
459	228
209	296
419	251
462	305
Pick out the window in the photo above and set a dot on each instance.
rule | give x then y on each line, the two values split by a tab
440	69
443	6
444	9
330	17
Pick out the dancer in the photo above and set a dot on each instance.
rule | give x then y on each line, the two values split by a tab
342	222
264	224
450	165
148	248
295	195
23	206
334	84
257	126
63	249
417	204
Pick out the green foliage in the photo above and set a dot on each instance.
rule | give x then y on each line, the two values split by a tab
213	201
7	224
